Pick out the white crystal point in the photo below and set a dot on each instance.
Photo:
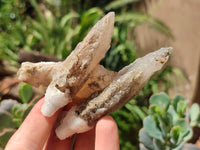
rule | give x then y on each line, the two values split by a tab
74	71
71	124
126	84
54	99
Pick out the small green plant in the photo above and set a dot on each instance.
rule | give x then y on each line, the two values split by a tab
25	92
195	115
60	25
167	126
12	113
129	120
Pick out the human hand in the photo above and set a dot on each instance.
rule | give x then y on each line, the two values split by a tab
37	133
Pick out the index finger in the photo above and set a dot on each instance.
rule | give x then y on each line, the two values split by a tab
34	131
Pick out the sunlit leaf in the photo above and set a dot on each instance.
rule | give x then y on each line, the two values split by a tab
119	3
25	92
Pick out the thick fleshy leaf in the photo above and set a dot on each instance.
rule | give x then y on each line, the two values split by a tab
194	114
18	109
18	113
161	100
25	92
155	109
175	133
179	146
176	100
7	104
187	135
145	139
6	120
183	125
158	145
181	108
17	121
151	128
172	114
185	130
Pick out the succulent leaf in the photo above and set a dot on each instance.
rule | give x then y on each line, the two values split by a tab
183	125
158	145
155	109
175	134
161	100
15	108
25	92
176	100
18	109
181	108
187	135
7	104
17	122
6	120
145	139
194	114
151	128
172	113
166	123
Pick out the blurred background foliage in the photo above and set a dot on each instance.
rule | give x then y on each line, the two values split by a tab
54	27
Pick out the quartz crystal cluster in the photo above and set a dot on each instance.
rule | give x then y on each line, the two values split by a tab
80	79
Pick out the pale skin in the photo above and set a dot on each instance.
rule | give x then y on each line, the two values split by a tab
37	133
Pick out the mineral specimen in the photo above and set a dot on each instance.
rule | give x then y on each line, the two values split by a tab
80	79
65	80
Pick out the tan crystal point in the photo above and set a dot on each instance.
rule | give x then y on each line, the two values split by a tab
95	90
98	80
65	79
126	84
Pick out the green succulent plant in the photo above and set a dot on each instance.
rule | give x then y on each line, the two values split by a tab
12	113
58	28
168	127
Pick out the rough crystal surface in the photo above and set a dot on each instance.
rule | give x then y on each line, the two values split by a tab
81	80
